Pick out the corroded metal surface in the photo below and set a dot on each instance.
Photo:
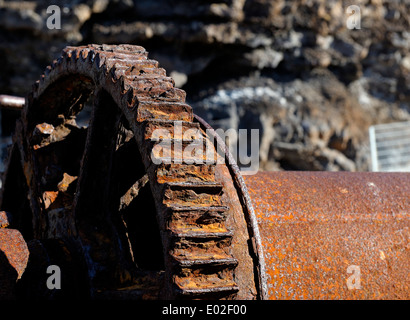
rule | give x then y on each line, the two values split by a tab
13	246
13	256
83	186
121	225
322	230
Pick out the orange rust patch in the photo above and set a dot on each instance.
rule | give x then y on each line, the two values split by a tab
4	220
15	248
314	225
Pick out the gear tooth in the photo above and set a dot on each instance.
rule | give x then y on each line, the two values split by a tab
116	73
36	85
55	63
47	71
130	98
91	57
66	53
76	53
84	53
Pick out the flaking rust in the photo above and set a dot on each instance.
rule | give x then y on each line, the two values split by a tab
96	187
93	201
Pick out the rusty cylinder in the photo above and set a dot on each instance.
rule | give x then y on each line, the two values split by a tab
334	235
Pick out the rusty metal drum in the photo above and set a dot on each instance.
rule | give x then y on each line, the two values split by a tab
334	235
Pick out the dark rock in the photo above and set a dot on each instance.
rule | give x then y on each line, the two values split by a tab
291	118
290	68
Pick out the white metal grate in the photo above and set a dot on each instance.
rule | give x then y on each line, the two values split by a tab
390	146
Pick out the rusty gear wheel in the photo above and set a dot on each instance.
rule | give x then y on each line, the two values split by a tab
130	227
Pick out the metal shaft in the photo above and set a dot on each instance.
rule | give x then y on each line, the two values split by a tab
11	102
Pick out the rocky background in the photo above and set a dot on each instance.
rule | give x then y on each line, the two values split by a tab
289	68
